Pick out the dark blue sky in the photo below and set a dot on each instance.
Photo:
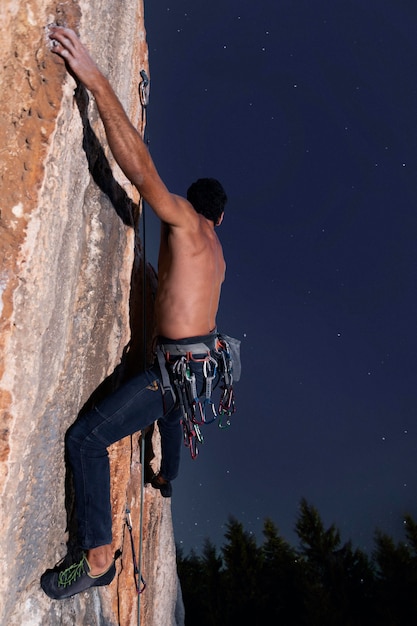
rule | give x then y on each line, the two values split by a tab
306	111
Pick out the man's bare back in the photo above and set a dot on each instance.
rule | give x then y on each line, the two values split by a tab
191	270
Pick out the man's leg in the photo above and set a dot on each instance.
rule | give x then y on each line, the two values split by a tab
171	439
131	408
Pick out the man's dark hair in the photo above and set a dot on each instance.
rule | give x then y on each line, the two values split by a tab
208	198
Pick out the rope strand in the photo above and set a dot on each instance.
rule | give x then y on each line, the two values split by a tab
144	99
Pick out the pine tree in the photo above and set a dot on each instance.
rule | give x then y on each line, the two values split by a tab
243	563
190	573
397	577
282	581
340	579
212	584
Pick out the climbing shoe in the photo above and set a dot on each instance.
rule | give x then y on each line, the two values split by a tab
59	583
164	486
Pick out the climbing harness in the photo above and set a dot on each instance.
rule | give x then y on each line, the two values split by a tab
219	356
136	571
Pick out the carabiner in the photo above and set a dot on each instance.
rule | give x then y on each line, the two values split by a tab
144	89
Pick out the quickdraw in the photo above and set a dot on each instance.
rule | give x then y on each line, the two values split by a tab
227	399
198	410
136	572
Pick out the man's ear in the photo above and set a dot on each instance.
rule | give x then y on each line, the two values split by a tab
219	221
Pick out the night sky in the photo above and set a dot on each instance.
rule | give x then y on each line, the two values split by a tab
306	110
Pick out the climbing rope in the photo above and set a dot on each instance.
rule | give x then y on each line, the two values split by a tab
144	100
137	565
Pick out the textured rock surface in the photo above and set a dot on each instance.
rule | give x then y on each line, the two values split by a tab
68	254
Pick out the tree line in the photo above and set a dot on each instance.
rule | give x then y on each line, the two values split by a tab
322	583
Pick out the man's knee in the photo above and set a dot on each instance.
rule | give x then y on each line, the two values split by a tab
80	435
73	439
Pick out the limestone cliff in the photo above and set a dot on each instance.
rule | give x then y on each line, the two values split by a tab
71	305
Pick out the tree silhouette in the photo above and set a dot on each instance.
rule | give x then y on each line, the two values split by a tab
212	583
190	573
340	578
283	579
397	576
321	583
243	563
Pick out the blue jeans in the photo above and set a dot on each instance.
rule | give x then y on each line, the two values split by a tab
134	406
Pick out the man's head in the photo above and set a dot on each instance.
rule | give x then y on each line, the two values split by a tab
208	198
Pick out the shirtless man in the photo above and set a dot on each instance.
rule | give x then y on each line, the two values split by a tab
191	270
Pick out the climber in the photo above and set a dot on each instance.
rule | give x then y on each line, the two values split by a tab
191	270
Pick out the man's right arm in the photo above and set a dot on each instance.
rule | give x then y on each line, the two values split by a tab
125	142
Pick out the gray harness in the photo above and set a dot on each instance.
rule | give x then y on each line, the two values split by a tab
220	355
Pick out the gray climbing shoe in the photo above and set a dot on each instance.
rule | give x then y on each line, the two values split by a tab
59	583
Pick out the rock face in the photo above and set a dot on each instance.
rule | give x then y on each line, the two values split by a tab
72	305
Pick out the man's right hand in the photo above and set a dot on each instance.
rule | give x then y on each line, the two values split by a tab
66	43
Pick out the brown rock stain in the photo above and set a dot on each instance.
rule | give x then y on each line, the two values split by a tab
32	77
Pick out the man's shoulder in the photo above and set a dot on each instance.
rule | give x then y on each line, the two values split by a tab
185	218
172	209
